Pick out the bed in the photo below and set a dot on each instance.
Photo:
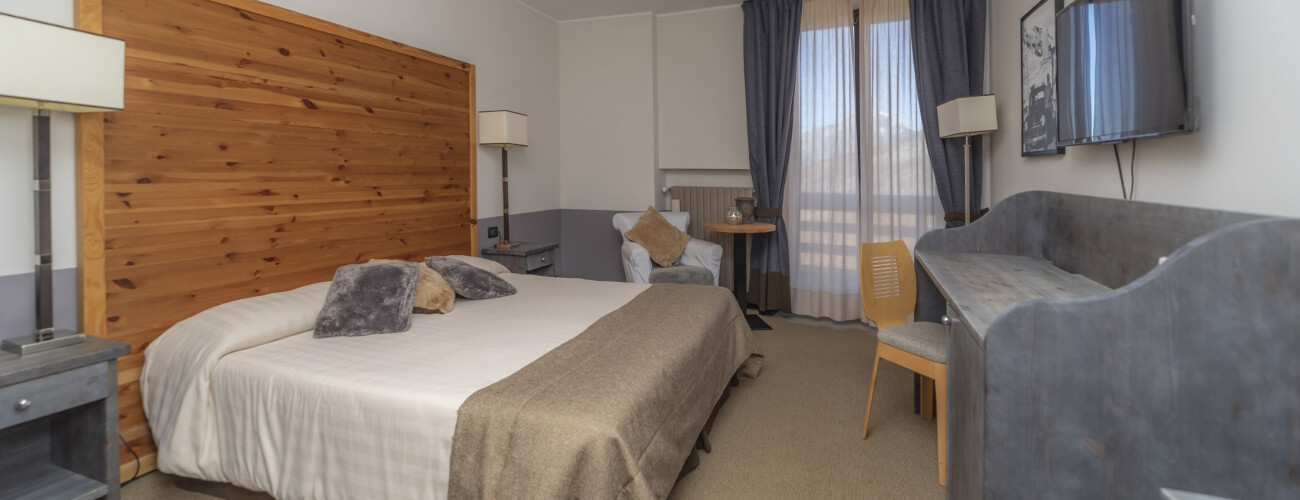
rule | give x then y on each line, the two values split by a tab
260	150
570	388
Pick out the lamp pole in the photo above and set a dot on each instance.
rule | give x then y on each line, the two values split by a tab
43	260
44	337
967	195
505	200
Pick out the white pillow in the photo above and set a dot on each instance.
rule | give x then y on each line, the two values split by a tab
491	266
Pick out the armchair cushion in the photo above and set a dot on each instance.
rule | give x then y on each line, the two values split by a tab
682	275
664	242
623	221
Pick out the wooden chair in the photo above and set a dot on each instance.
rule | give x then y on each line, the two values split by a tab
888	285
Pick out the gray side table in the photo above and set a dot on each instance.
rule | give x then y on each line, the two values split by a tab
526	258
58	422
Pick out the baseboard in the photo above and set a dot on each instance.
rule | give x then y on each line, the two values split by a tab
148	463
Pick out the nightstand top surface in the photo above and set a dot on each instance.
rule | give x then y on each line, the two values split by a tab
15	368
522	250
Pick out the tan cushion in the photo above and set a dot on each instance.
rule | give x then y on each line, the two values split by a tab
432	293
664	242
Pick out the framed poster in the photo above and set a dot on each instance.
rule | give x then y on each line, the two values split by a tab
1038	80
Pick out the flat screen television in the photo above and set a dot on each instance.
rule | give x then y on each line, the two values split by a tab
1123	71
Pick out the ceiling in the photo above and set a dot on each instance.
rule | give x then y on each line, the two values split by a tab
567	10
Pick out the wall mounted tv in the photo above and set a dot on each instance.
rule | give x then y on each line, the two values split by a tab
1124	70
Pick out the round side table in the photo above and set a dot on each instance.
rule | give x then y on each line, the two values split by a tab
739	254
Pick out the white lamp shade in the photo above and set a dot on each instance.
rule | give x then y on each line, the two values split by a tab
965	116
53	67
503	129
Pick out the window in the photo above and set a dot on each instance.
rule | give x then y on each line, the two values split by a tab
859	167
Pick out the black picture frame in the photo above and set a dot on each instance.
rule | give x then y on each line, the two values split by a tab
1038	107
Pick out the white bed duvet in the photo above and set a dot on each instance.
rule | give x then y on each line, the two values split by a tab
242	393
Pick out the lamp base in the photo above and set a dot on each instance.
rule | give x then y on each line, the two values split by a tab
34	342
505	246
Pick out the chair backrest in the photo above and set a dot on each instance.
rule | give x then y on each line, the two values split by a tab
888	282
624	221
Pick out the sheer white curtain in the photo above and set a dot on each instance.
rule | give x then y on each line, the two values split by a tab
822	184
846	187
899	201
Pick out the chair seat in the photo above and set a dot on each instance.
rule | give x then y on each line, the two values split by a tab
924	339
683	275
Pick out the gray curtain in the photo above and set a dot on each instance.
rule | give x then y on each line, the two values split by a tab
948	46
771	57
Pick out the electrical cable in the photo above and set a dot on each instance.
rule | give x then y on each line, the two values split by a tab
1119	166
1128	191
135	475
1132	179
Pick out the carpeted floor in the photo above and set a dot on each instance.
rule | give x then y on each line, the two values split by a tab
795	432
791	433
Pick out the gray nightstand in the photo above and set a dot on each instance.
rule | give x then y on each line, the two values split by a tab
529	258
58	422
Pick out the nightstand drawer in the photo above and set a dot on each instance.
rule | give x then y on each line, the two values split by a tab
526	258
36	398
540	260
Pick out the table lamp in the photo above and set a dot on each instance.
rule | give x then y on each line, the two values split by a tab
964	117
505	130
53	68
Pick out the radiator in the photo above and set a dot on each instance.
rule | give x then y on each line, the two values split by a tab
709	204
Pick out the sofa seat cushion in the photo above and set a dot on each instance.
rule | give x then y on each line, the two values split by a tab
682	275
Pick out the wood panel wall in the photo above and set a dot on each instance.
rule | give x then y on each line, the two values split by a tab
259	150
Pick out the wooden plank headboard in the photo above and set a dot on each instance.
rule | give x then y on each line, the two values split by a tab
259	150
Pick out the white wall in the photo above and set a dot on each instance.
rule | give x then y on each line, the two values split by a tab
674	86
607	113
1243	159
16	211
701	78
515	51
703	139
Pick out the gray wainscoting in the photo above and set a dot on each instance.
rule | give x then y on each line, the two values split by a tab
18	302
590	247
539	227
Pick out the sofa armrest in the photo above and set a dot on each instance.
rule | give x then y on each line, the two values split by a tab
706	254
636	262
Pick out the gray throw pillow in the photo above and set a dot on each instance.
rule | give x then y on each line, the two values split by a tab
469	281
366	299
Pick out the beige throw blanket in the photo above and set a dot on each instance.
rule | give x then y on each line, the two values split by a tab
614	412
